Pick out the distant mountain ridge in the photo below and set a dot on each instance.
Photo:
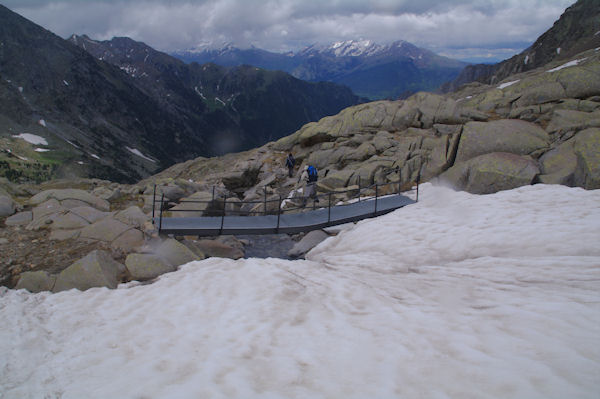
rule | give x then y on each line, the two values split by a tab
248	106
120	110
577	30
371	70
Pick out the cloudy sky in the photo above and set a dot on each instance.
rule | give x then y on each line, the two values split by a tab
462	29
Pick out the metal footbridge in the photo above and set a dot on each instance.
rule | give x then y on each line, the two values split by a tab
320	213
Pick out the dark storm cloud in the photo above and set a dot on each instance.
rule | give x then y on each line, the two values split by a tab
453	28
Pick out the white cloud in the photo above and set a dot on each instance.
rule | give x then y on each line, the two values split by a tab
290	24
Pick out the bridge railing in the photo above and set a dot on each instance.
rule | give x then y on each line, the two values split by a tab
220	207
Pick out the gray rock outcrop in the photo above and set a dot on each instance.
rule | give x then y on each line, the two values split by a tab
97	269
7	205
490	173
147	266
308	242
35	282
506	135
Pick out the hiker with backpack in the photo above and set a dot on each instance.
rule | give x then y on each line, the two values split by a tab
309	176
290	162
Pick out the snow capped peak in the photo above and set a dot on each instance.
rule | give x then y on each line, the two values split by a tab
362	48
354	48
209	46
347	48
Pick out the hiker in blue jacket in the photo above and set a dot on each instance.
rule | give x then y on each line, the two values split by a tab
290	162
309	177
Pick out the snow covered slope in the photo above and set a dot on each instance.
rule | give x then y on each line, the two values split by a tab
457	296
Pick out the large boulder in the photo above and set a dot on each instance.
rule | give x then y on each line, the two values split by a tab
242	176
19	219
315	133
97	269
36	281
559	164
147	266
308	242
172	192
90	214
580	81
70	198
132	216
7	205
506	135
363	152
130	240
106	230
68	220
193	206
214	248
541	93
564	120
175	253
587	149
45	213
438	109
335	179
365	174
490	173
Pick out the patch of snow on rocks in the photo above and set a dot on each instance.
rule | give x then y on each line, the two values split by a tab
32	138
503	85
139	154
568	64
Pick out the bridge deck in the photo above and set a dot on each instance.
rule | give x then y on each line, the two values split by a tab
288	223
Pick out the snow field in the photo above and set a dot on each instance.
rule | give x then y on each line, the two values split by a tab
458	295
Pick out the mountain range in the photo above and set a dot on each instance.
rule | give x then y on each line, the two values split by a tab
120	110
371	70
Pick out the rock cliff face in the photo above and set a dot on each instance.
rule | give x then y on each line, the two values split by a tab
577	30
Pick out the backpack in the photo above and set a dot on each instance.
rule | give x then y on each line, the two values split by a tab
312	174
290	161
